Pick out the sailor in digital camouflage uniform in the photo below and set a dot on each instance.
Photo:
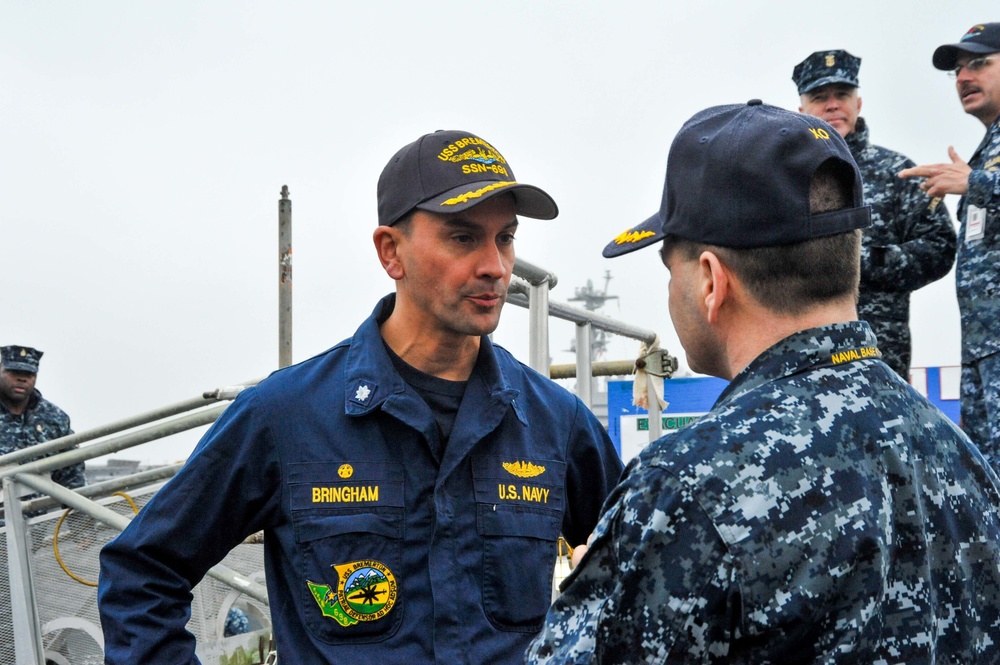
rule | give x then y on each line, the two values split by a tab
975	63
823	511
911	241
26	418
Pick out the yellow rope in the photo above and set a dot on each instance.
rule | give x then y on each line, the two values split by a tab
55	539
562	544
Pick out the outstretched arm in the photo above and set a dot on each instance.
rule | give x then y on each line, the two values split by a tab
941	179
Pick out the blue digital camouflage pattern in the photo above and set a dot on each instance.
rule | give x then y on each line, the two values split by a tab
977	277
910	244
822	512
980	406
21	358
977	281
40	422
826	67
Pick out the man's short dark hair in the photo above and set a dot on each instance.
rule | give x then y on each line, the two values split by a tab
405	223
790	279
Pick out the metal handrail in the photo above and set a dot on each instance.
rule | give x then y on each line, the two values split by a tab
65	442
118	443
113	519
534	296
518	295
533	274
29	475
122	483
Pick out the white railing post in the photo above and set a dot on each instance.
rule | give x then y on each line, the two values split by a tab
24	611
584	364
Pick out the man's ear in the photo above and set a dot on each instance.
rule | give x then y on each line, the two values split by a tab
387	243
714	285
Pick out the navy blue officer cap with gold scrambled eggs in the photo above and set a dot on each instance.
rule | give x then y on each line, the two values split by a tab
739	176
826	67
20	358
451	171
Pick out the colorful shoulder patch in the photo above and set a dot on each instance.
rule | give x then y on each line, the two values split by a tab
366	592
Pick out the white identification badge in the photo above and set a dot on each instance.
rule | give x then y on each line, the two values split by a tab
975	223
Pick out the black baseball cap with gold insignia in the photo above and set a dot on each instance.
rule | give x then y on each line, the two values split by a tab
739	176
451	171
20	358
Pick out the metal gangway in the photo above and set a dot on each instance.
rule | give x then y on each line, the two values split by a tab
52	535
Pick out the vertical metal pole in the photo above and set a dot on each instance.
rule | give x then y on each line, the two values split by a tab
584	364
655	416
27	631
284	279
538	328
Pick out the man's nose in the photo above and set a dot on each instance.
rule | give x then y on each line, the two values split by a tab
491	262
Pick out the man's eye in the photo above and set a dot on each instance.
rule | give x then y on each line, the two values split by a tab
506	238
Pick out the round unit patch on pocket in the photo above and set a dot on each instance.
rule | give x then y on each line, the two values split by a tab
366	592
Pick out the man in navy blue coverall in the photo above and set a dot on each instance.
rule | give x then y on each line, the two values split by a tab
411	482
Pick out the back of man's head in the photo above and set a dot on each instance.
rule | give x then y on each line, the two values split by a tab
831	188
759	181
791	279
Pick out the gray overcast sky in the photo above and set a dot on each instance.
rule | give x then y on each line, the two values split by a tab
145	145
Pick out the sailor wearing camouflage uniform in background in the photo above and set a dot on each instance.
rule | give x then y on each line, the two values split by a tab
26	418
911	241
975	64
823	511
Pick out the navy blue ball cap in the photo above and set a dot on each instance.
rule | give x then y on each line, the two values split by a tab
739	176
979	39
451	171
637	237
20	358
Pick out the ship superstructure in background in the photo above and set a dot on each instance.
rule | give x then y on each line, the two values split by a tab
593	301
